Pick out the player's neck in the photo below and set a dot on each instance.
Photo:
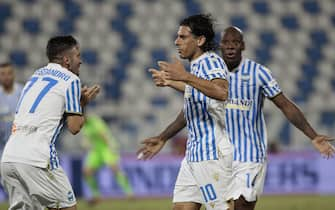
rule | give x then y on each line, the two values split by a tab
196	54
233	65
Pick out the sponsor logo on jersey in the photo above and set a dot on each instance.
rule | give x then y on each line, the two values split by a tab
241	104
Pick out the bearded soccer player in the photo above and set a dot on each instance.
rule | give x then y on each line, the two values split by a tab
52	97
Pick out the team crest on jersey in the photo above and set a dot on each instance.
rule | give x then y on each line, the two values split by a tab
212	204
216	176
245	78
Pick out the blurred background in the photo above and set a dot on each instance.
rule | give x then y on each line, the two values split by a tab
121	39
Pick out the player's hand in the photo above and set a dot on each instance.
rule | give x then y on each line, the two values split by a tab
173	71
323	145
88	94
158	77
150	148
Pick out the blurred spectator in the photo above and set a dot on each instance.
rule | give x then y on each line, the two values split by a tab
9	96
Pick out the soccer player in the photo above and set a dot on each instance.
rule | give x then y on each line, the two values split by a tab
104	152
9	96
250	84
205	171
30	168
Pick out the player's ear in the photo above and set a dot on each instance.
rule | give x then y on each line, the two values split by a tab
201	40
66	60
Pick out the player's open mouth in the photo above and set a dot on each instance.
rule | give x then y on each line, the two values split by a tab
230	55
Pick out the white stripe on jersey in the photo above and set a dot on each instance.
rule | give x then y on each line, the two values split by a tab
249	85
205	130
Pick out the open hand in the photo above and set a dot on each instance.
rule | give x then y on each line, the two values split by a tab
88	94
150	148
323	145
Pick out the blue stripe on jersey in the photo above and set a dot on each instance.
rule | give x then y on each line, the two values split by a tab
78	95
74	105
265	73
251	134
190	126
243	131
198	124
68	107
193	129
202	111
211	121
221	63
254	114
237	126
54	161
207	135
208	64
216	65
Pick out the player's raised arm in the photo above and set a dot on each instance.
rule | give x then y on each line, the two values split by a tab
159	79
216	88
74	121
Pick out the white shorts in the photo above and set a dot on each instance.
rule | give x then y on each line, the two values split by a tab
204	182
30	187
248	180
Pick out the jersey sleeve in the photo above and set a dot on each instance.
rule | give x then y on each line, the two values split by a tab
214	68
72	97
270	86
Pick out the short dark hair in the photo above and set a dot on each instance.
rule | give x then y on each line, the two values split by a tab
5	64
58	45
202	25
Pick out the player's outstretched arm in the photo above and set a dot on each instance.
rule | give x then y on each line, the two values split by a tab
153	145
322	144
297	118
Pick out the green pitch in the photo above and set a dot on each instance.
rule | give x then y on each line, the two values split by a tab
265	203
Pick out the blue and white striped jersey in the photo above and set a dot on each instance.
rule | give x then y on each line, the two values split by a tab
51	91
250	83
206	126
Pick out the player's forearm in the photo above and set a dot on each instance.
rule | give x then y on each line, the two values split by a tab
178	124
297	118
208	87
178	85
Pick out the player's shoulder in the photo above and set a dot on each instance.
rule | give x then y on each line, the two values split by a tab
215	61
214	57
260	68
